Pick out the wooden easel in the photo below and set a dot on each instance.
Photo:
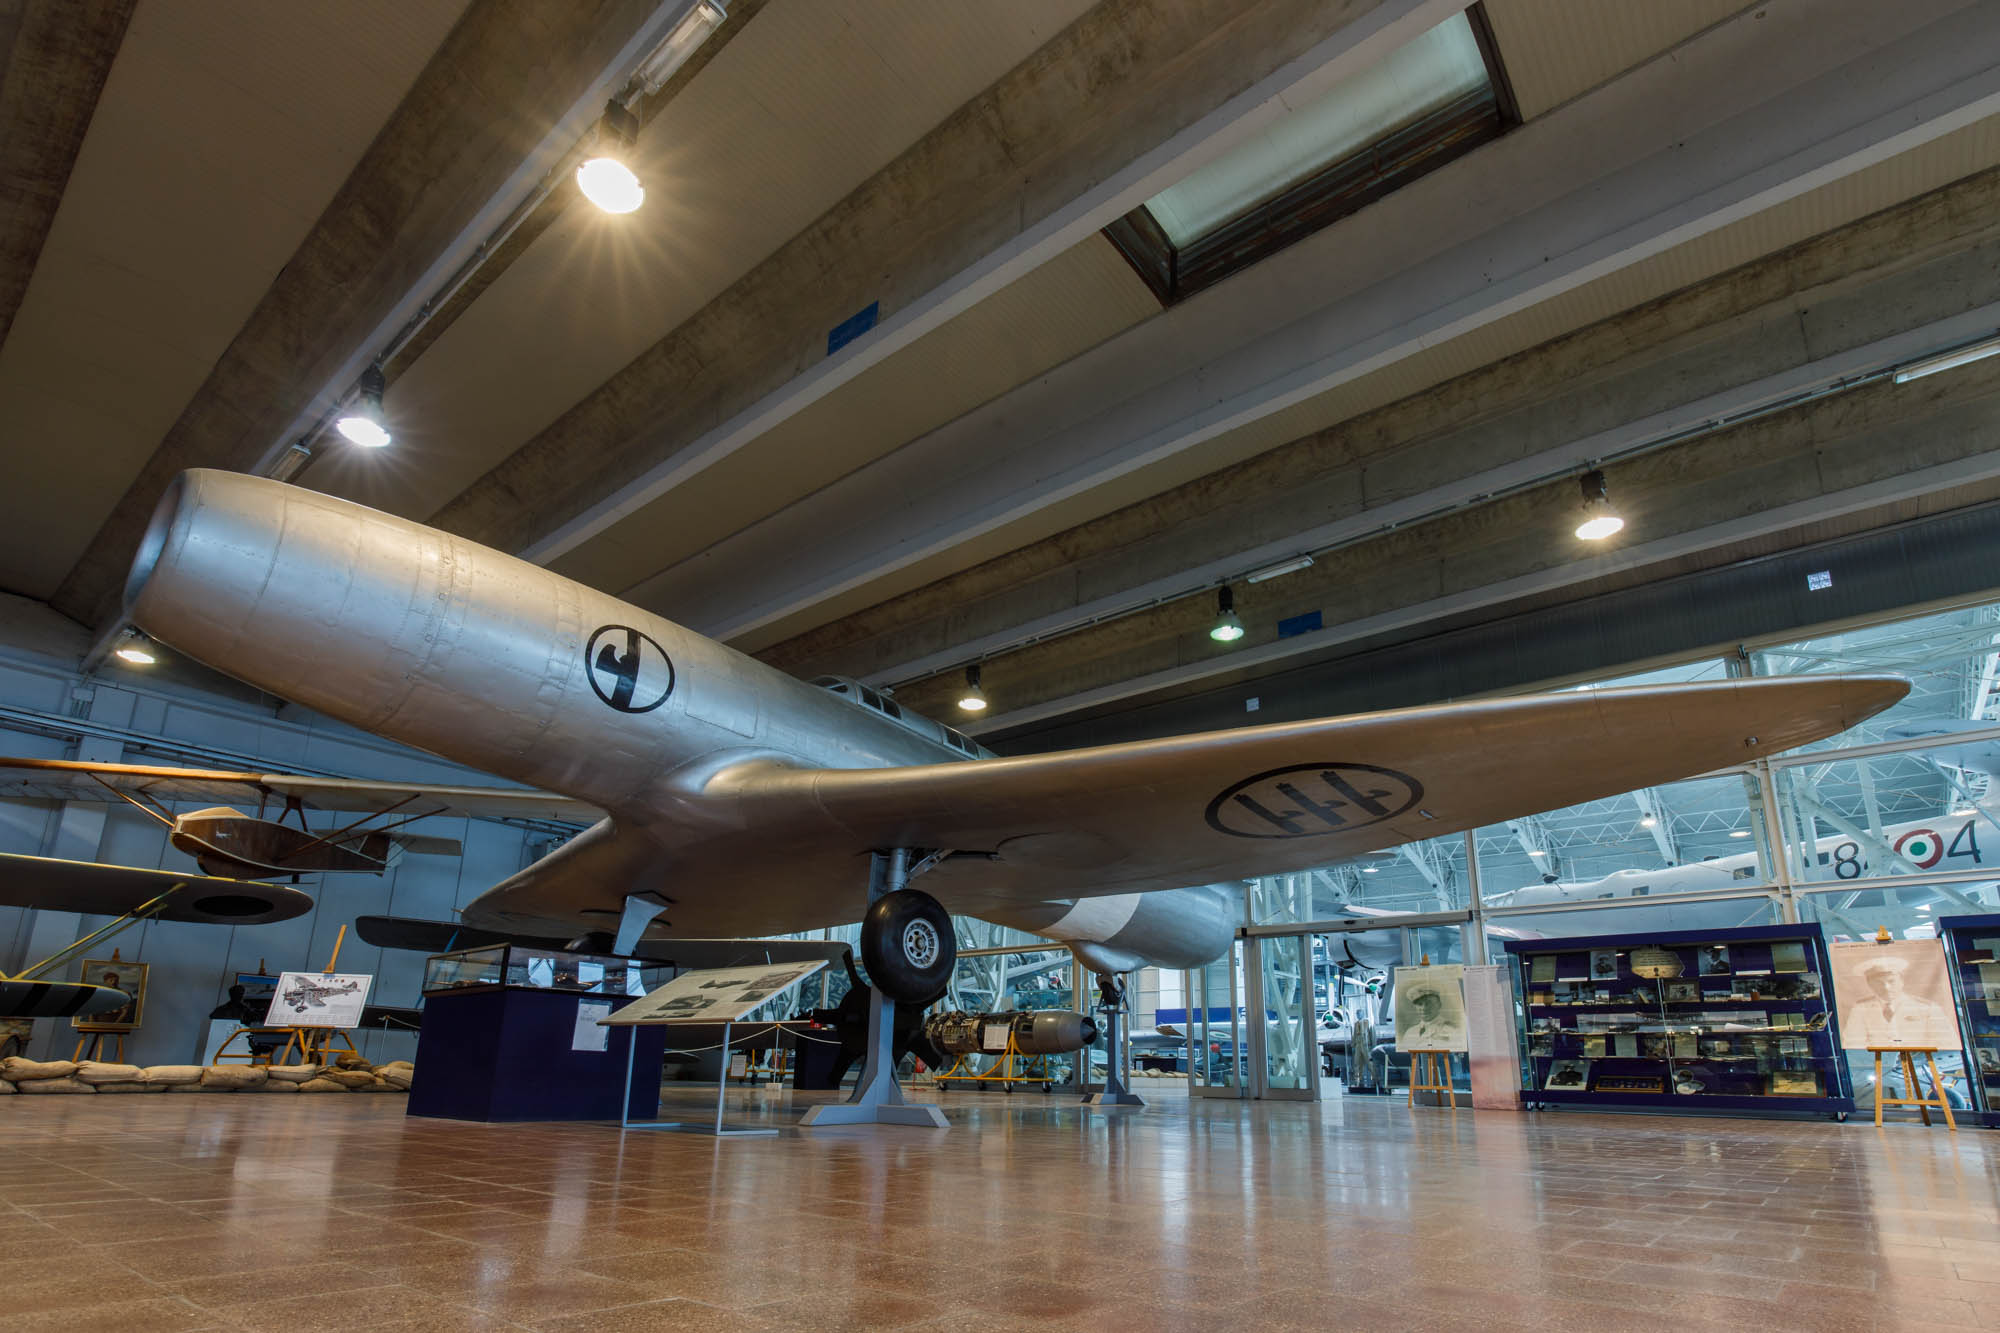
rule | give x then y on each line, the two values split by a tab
1937	1098
316	1045
1908	1054
1435	1075
92	1038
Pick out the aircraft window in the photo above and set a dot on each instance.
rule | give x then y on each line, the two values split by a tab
1642	890
872	699
892	708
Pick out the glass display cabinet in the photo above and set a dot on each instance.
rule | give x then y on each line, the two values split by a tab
535	968
1972	947
1717	1020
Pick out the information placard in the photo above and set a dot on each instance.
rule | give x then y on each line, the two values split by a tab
717	995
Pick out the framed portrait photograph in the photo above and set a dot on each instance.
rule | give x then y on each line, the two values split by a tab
1681	992
1895	995
118	975
1603	964
1712	960
1430	1008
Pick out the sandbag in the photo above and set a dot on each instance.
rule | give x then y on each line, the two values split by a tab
96	1071
399	1079
233	1076
20	1069
130	1087
394	1064
6	1088
53	1085
200	1087
274	1085
291	1073
170	1074
378	1085
349	1078
320	1085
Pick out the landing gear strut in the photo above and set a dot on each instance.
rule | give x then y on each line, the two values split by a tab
909	949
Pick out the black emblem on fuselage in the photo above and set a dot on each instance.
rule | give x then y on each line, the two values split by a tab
628	669
1306	800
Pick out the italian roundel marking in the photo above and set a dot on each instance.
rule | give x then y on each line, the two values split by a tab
1921	848
1306	800
628	669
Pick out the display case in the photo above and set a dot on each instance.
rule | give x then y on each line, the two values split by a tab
1972	945
536	968
1720	1020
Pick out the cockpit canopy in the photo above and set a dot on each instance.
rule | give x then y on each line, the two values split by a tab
855	692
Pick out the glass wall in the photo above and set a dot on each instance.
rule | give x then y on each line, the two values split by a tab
1888	825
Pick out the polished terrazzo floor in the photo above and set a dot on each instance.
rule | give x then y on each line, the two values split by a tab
239	1212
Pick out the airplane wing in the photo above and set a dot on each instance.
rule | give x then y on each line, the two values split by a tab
101	890
773	848
74	780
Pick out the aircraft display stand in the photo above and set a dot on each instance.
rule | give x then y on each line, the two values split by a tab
877	1098
1430	1071
1908	1056
1111	1003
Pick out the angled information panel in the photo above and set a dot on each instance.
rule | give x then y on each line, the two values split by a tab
717	995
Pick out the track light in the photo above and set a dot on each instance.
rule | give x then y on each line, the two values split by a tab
1228	629
1272	571
134	650
604	178
1600	520
973	700
702	18
361	423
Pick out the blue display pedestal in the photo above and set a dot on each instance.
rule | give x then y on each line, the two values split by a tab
508	1053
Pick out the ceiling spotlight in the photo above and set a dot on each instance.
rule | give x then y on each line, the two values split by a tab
1739	833
1600	520
1371	870
135	651
1535	851
604	178
1228	629
1649	822
974	698
361	423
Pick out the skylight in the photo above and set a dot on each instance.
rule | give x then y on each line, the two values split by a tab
1435	97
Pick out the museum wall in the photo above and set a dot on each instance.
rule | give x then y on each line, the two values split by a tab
141	718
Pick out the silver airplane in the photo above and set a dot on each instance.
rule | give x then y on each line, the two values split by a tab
739	800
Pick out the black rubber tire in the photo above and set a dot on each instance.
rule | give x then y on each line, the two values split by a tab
908	947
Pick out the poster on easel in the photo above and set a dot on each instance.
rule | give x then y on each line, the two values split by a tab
319	1000
1893	994
117	974
1430	1008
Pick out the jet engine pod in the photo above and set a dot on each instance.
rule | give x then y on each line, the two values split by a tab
1035	1032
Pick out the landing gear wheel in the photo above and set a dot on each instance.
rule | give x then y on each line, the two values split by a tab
908	946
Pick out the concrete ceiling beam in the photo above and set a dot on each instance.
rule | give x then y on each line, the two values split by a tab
1751	113
513	85
1853	453
1877	293
1123	102
54	58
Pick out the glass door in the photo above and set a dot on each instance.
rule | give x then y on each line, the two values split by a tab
1215	1068
1282	1019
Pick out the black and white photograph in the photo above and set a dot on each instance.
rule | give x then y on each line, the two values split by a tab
1430	1008
1712	960
1893	995
1603	964
1568	1076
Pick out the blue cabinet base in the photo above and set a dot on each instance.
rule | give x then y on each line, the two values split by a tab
505	1053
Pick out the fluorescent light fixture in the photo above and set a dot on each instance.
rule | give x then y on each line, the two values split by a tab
1271	572
1649	822
1923	909
1739	833
702	18
361	423
973	700
134	651
1964	356
1600	520
604	178
1227	629
1371	870
1536	852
